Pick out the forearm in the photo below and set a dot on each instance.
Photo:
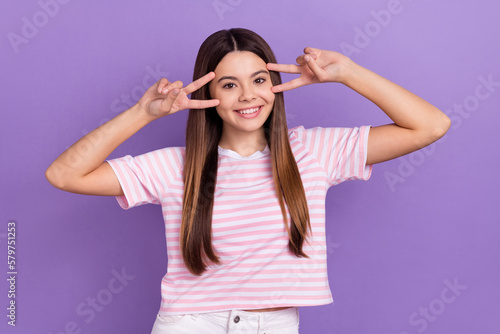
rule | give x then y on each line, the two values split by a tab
404	108
90	151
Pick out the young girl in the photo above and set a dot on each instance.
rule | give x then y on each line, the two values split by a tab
244	201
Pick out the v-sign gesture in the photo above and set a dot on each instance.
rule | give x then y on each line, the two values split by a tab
417	123
81	168
165	98
314	66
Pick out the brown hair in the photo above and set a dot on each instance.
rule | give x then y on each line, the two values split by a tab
203	132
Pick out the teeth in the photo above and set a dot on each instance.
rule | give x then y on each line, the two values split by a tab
248	111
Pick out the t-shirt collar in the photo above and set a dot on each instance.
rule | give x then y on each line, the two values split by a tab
236	155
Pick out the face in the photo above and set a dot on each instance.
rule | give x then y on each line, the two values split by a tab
243	85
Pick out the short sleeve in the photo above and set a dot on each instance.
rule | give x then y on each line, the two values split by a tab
144	178
341	152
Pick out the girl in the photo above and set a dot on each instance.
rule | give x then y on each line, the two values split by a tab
244	201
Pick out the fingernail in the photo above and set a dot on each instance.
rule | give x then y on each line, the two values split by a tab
307	58
176	91
165	91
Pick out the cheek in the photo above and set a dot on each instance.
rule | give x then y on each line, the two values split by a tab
225	100
269	97
267	94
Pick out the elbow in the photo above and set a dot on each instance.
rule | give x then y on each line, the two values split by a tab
434	130
51	177
437	127
54	177
441	126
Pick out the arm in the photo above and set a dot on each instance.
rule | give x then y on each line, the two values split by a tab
81	168
417	123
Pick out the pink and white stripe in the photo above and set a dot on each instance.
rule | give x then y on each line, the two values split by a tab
248	232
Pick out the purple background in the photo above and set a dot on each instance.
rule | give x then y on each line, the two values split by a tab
422	219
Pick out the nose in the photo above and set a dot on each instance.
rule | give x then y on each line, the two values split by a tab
247	93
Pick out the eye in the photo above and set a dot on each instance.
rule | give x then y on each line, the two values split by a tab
260	80
229	85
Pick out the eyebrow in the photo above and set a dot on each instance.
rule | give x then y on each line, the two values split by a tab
234	78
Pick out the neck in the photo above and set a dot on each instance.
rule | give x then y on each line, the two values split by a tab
243	143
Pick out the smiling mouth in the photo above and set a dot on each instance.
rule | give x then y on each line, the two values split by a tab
248	110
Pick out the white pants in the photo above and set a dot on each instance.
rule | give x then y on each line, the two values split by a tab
230	322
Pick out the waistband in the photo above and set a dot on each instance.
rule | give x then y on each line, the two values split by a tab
270	318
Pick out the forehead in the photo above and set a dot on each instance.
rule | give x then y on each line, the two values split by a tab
239	62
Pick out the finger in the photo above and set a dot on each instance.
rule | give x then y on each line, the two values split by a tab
295	83
284	68
203	104
197	84
311	50
301	61
162	83
166	104
313	65
171	86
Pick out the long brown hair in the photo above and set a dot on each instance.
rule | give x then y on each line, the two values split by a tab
203	132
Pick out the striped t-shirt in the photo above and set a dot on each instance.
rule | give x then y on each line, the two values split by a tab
257	269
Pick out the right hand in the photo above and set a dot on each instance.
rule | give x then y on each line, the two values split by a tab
314	66
165	98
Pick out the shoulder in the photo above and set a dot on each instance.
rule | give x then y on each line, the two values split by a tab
165	153
172	150
171	158
170	155
296	132
304	135
301	131
317	139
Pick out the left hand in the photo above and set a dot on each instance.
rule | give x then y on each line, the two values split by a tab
314	66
